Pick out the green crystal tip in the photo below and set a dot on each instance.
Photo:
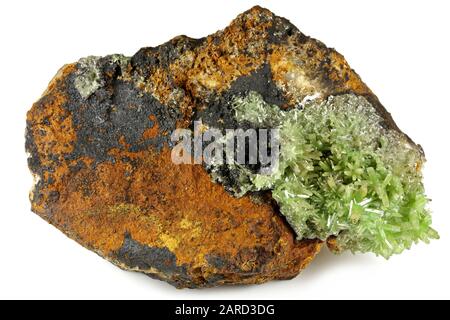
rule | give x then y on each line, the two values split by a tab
341	174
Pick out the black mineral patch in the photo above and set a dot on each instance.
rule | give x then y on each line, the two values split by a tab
259	81
136	255
220	114
117	110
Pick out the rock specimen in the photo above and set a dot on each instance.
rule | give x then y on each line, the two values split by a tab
99	144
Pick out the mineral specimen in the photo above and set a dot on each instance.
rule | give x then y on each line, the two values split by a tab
99	144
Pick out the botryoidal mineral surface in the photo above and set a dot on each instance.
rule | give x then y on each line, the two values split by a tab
100	151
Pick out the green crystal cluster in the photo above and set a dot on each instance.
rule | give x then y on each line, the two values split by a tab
342	174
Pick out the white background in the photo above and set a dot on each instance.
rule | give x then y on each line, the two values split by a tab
400	48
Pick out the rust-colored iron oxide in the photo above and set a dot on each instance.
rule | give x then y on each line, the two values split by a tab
100	151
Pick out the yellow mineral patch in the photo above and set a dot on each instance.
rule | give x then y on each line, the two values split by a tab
170	242
124	208
185	224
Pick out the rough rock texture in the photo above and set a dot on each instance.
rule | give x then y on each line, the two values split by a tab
99	149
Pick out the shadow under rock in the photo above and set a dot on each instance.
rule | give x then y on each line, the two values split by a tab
326	261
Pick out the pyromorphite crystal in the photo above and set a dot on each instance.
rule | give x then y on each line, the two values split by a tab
99	145
342	174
